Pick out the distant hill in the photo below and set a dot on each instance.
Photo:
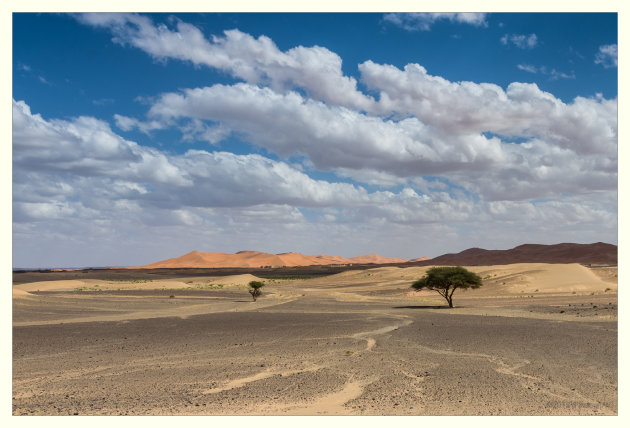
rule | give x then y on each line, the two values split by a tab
531	253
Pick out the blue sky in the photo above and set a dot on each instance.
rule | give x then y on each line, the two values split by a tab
138	137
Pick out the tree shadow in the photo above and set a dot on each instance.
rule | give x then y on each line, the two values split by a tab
421	307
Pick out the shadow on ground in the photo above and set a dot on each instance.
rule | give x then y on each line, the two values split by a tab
421	307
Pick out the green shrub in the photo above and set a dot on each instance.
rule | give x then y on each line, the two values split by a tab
255	288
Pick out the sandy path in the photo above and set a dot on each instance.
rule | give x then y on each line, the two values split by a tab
367	335
329	404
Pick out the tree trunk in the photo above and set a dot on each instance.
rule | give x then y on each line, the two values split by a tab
450	297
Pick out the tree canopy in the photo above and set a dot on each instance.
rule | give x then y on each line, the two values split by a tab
445	280
256	288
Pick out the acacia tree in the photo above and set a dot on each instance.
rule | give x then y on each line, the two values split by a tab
445	280
255	288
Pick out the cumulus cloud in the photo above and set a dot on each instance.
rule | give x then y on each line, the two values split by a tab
424	21
330	136
607	56
521	41
254	60
100	168
85	146
197	130
129	123
587	125
369	149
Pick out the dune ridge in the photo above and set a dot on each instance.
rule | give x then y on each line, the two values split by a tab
196	259
598	252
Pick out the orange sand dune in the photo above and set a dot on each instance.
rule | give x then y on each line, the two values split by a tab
420	259
375	258
196	259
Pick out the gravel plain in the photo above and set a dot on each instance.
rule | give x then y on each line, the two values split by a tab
367	349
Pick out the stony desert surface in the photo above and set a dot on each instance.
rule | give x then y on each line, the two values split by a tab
536	339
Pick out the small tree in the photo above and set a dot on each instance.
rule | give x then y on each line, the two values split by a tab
255	288
445	280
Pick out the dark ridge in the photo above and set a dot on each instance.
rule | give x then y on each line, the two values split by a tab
598	252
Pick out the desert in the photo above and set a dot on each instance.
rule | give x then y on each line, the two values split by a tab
536	339
277	212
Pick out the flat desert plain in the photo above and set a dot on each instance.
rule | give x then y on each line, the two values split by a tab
536	339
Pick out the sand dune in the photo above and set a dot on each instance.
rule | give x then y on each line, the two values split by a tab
196	259
420	259
375	258
520	278
542	277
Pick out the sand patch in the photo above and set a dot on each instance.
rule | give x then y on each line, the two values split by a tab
63	285
215	282
541	277
22	294
330	404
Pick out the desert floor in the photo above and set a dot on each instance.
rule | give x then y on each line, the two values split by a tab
536	339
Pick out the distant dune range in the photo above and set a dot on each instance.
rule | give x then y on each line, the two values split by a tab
196	259
528	253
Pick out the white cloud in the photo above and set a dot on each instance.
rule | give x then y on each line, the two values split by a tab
100	168
331	136
255	60
388	153
521	41
553	74
129	123
587	125
196	130
528	68
424	21
607	56
225	202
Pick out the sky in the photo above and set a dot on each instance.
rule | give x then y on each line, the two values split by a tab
140	137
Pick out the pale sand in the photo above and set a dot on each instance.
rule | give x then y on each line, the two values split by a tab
535	339
165	284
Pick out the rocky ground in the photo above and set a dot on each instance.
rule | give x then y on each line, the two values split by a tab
362	350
